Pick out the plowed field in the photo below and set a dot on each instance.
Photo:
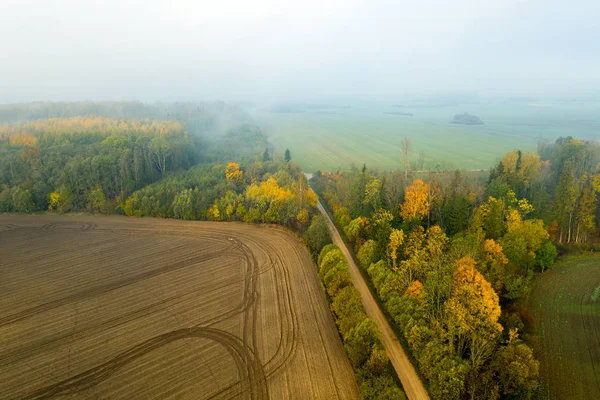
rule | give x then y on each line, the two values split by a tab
111	307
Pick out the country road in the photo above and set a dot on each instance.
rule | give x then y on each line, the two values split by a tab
406	372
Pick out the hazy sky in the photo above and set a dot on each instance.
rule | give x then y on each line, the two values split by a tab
307	50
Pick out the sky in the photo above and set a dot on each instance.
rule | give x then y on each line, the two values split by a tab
309	50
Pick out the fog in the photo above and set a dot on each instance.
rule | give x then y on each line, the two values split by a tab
269	50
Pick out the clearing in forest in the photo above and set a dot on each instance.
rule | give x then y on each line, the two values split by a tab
114	307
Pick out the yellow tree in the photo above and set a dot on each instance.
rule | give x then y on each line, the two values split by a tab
509	161
23	139
54	201
531	165
303	218
396	240
494	267
472	314
416	201
233	173
372	193
415	289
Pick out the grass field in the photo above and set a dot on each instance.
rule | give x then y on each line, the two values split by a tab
125	308
335	138
565	306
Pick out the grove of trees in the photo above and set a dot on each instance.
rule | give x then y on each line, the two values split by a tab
202	161
360	335
448	256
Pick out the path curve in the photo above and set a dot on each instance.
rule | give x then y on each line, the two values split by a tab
413	387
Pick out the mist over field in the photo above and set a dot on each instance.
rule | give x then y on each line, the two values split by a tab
270	51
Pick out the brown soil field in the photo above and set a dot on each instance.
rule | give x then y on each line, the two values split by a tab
128	308
564	307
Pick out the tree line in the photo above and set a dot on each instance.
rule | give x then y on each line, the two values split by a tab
360	335
255	192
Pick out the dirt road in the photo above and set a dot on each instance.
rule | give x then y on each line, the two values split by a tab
406	372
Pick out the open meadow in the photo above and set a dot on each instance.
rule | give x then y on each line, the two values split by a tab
336	137
565	308
115	307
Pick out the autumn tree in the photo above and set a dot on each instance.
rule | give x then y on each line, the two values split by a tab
494	264
523	240
517	369
373	194
233	173
416	202
489	216
61	199
472	315
22	139
396	240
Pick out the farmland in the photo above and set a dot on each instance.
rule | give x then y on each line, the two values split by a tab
336	137
565	306
114	307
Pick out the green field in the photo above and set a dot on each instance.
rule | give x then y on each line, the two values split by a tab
565	307
333	137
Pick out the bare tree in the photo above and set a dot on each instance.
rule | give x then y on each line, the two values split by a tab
421	161
406	146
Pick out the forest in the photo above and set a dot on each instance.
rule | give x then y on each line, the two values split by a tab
125	159
448	256
105	166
